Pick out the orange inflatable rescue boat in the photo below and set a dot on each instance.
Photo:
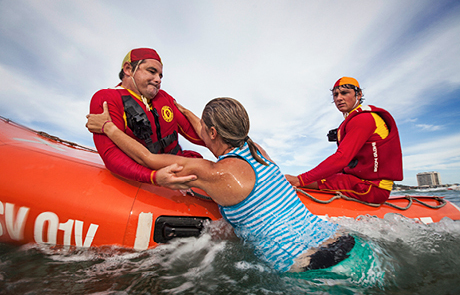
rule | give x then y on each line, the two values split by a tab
57	192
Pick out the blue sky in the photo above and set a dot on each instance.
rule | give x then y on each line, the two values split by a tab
279	58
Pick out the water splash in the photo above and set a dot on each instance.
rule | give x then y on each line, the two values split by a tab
416	258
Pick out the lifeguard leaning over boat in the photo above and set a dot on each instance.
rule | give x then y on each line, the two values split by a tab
140	109
368	158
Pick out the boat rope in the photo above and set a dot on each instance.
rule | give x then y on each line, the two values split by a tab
358	201
441	201
52	137
402	208
315	199
410	199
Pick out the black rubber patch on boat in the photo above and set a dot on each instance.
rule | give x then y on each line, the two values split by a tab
170	227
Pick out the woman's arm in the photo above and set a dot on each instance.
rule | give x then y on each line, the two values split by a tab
227	181
207	178
192	118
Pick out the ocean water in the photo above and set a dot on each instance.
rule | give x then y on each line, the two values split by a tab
406	258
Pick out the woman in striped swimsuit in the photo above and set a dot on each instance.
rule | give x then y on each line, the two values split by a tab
252	193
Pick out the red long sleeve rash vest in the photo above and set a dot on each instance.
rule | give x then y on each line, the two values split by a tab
115	159
360	129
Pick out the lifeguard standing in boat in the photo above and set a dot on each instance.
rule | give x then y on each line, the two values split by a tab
144	112
368	158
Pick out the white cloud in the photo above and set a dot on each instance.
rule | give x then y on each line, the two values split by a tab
439	154
426	64
62	112
427	127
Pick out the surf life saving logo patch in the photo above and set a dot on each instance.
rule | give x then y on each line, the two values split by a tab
167	113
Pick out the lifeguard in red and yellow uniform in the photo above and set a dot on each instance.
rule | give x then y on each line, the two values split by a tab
368	158
143	111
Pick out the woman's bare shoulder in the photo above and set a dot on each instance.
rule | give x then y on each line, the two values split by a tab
230	181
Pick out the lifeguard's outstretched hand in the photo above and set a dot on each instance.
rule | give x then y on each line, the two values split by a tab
167	177
293	180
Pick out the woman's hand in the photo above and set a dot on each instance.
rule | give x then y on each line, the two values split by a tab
180	107
96	122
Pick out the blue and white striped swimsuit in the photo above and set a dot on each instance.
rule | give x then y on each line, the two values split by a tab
272	218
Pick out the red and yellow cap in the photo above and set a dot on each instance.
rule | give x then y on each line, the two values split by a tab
140	54
346	80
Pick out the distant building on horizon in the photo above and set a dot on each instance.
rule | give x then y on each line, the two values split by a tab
428	179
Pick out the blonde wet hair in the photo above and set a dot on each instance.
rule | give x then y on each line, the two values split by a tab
231	121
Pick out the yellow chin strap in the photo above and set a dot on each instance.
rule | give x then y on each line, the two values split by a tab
144	100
